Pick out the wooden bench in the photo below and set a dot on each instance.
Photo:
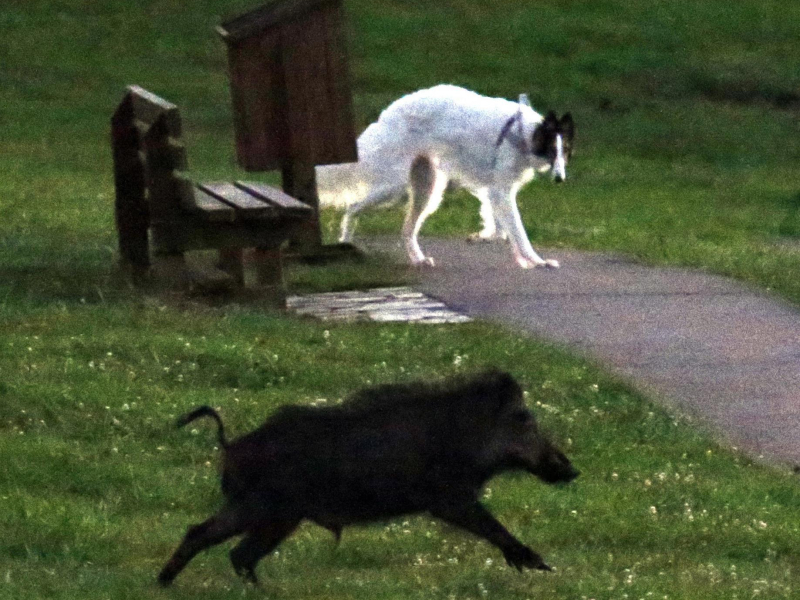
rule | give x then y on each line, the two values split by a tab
158	208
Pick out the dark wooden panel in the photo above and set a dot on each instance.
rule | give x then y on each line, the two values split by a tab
305	73
256	21
342	124
290	85
274	196
258	106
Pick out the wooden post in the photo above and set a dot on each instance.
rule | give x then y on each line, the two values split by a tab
300	181
290	87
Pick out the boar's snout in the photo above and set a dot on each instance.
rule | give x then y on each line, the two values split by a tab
555	467
529	449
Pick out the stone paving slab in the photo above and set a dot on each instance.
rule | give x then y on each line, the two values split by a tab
381	304
709	345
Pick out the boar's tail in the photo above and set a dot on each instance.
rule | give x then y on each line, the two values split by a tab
205	411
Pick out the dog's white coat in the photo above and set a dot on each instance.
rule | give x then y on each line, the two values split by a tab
455	132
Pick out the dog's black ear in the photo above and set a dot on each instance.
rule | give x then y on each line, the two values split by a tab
544	133
539	140
567	126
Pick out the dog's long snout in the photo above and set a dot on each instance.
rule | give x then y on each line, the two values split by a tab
560	162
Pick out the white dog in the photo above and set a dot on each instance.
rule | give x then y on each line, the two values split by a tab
490	146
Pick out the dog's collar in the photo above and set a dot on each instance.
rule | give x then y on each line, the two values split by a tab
505	132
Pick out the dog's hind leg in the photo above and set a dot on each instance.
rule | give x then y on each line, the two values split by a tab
347	228
350	219
427	185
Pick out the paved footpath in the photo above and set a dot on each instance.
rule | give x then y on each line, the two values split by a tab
713	347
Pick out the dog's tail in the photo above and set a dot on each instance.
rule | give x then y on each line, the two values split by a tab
341	185
205	411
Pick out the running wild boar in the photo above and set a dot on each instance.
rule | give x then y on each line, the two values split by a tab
390	450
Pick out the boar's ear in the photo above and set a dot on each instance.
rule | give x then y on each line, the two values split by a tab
502	388
506	384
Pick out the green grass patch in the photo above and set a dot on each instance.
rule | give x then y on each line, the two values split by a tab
686	114
98	487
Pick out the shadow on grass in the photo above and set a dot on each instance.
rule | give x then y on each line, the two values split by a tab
93	276
741	88
790	226
40	274
744	91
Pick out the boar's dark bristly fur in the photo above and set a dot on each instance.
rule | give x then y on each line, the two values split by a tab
390	450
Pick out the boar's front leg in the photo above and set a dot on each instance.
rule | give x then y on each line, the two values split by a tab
476	519
258	543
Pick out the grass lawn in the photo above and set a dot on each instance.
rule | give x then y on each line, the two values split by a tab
98	488
687	154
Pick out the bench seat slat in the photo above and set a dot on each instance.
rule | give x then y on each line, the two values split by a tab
247	205
209	207
274	196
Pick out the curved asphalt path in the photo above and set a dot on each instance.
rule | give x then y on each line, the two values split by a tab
711	346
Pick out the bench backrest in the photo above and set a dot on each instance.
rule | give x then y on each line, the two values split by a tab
153	194
148	157
146	135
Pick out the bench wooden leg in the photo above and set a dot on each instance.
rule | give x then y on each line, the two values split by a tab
269	273
231	260
172	269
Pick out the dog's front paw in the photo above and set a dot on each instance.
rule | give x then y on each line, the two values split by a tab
483	238
527	263
424	263
477	238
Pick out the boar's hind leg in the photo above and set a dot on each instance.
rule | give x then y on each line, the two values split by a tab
215	530
476	519
258	543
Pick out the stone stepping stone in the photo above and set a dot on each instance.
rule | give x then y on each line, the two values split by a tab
398	304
